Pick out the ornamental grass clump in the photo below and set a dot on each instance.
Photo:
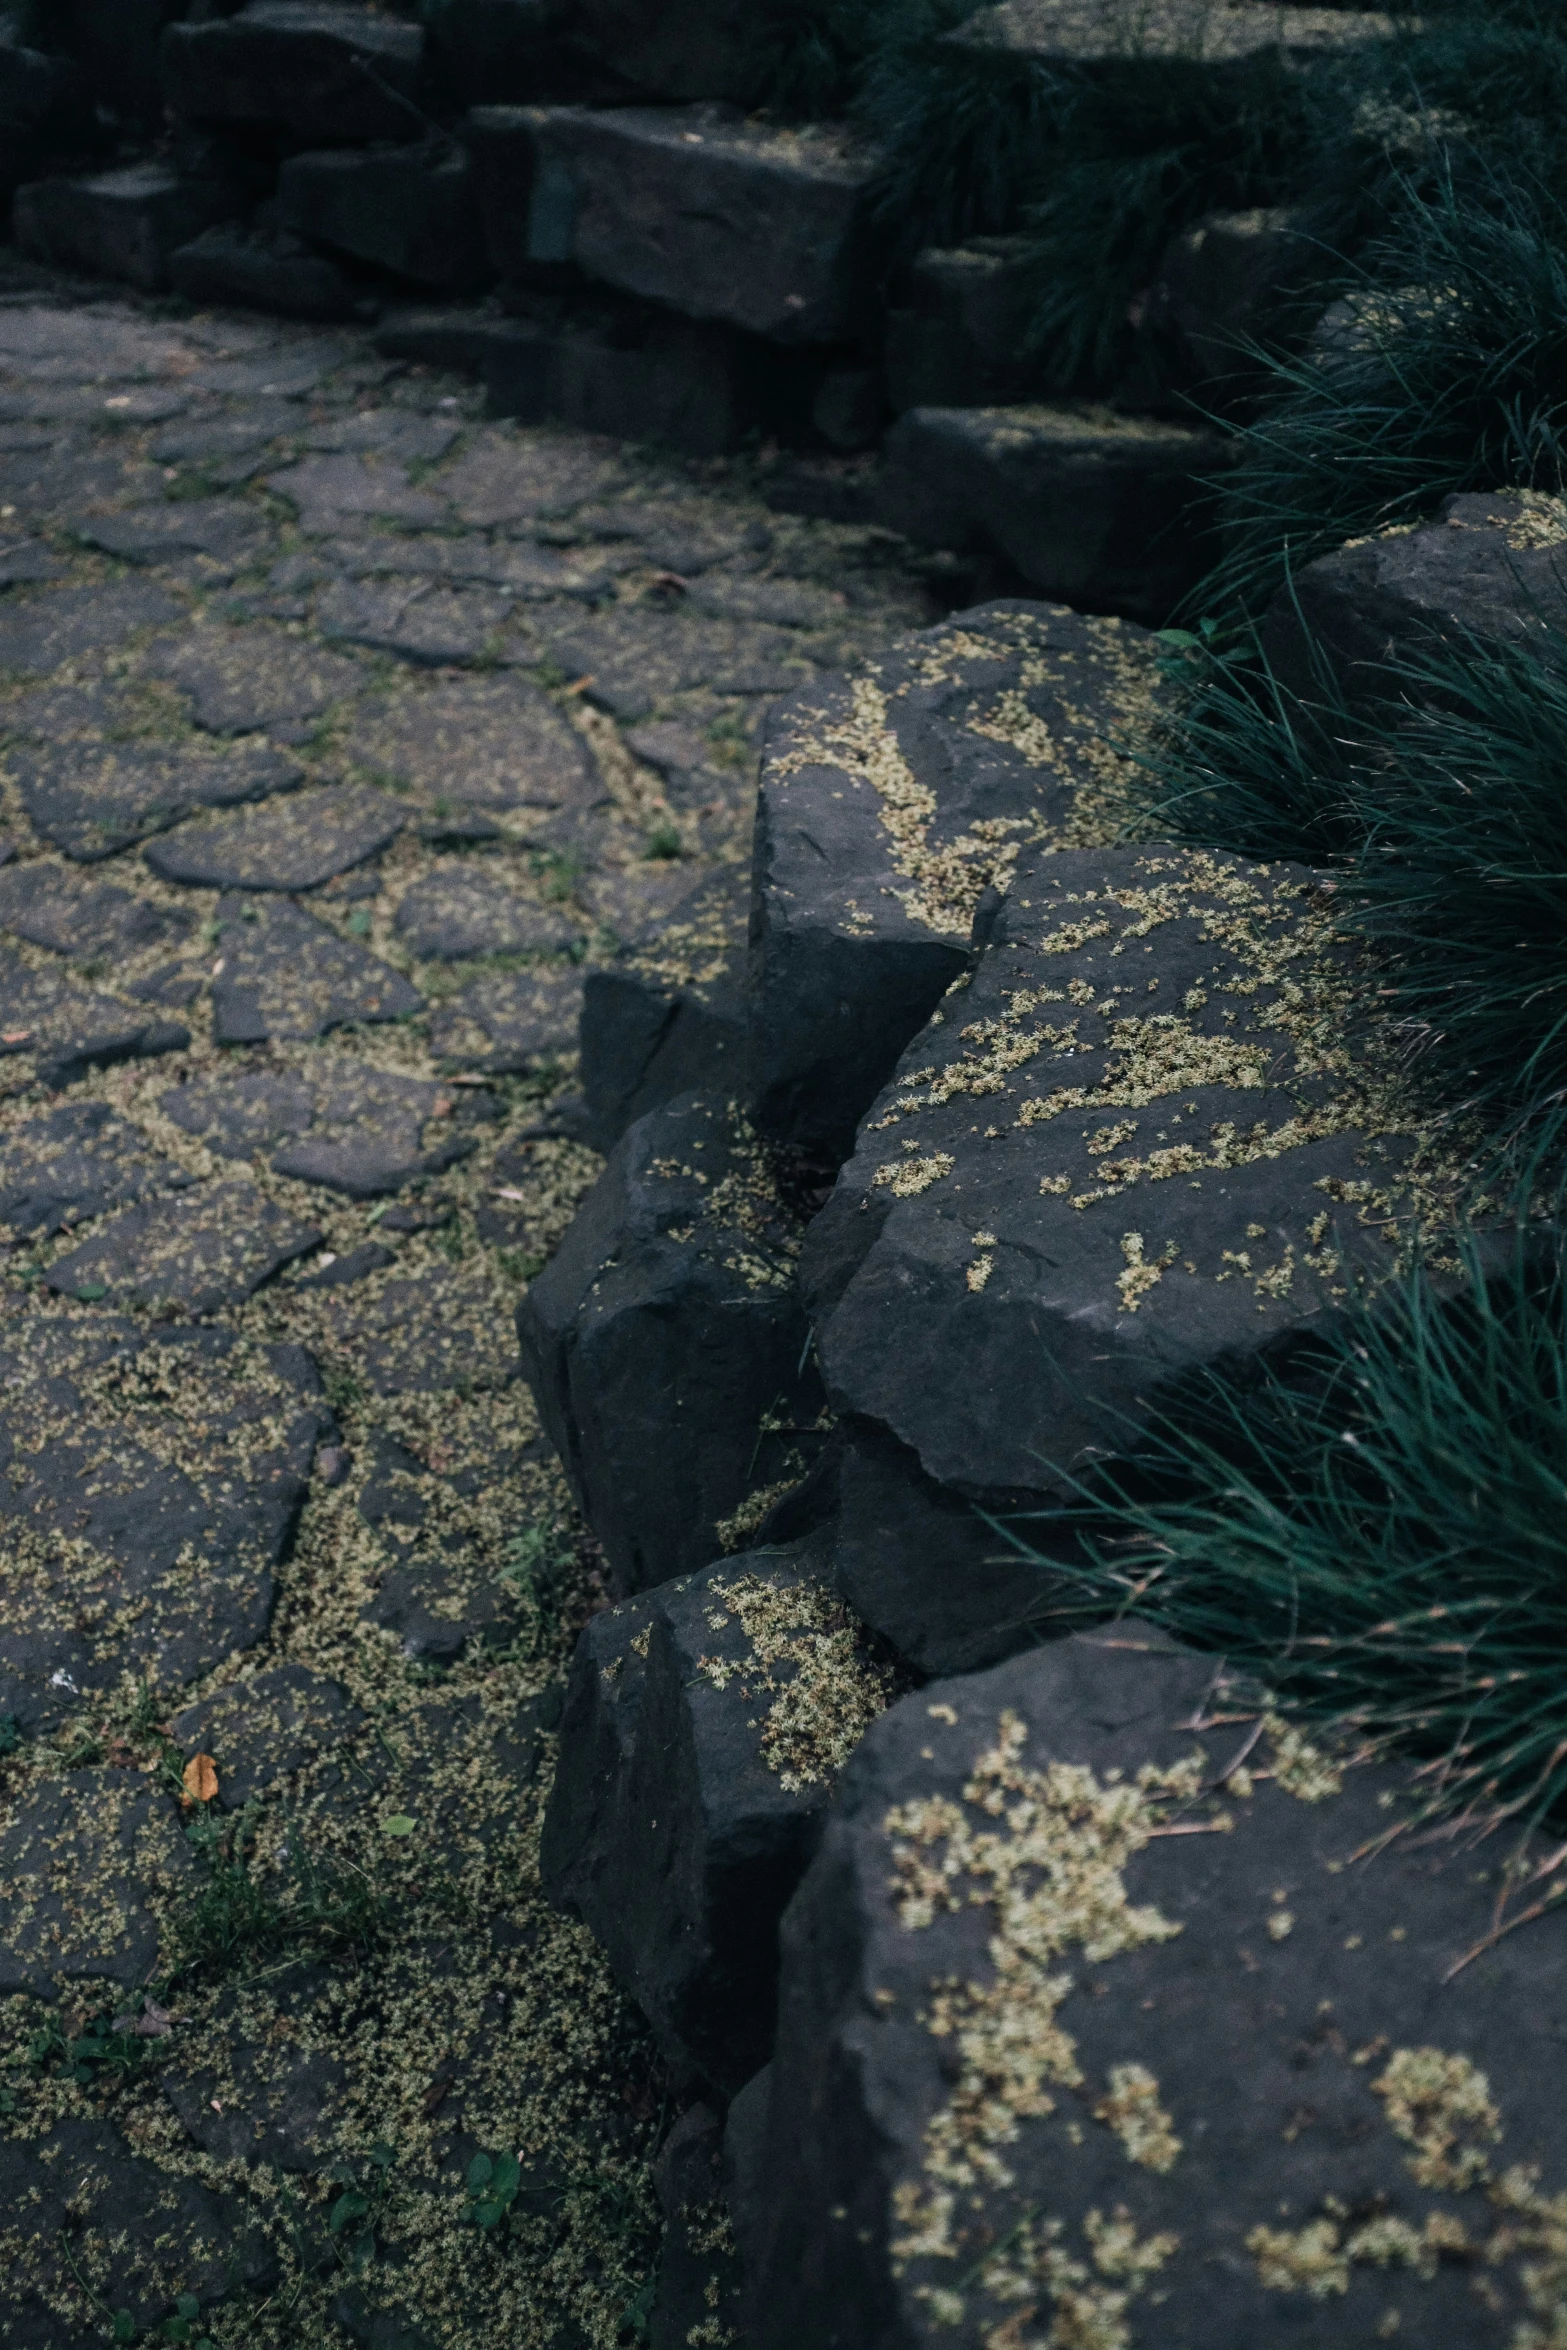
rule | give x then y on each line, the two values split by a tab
1442	368
1375	1531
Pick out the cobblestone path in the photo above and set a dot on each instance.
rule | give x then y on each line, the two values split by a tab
338	730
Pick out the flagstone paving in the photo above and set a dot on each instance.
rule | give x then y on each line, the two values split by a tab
341	733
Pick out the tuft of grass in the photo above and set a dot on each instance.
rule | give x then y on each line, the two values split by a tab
1239	763
233	1916
1444	818
1449	373
1461	884
1376	1529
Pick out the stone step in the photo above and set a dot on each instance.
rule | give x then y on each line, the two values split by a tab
324	69
1108	512
125	223
265	269
410	210
1493	566
1136	1147
687	48
43	111
1078	2018
888	805
957	336
1129	35
717	216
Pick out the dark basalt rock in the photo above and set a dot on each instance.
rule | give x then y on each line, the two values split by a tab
702	1738
469	908
1228	283
153	1481
143	2233
322	69
1134	1146
279	2107
256	680
296	844
121	224
329	493
264	269
1493	565
1109	512
210	1248
958	337
65	1031
1048	2041
76	1161
698	2270
348	1127
668	1015
282	973
688	48
94	799
888	804
666	1345
1150	46
410	210
42	111
717	216
261	1730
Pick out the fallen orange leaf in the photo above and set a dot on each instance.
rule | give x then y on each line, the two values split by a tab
201	1778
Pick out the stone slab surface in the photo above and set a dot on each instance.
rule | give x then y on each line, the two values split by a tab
92	800
282	973
1036	2051
348	1127
75	1161
295	844
132	1456
64	1030
194	1254
322	69
254	680
511	1021
475	908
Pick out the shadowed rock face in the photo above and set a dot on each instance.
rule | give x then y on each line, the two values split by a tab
1078	2016
1140	1142
889	805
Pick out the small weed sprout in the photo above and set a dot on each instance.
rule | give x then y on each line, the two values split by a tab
493	2181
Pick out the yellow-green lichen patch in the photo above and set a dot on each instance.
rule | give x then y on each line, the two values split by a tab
808	1664
1045	1852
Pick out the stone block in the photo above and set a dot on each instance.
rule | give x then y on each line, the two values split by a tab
43	112
264	269
1227	281
698	2270
1120	1157
958	336
678	49
749	223
636	373
1079	2018
406	209
888	805
323	69
666	1345
121	224
1126	36
114	47
1493	566
1108	512
667	1016
703	1735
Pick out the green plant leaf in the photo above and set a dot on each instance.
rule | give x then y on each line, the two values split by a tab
480	2172
399	1825
187	2305
124	2326
489	2215
508	2177
176	2329
349	2206
382	2155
